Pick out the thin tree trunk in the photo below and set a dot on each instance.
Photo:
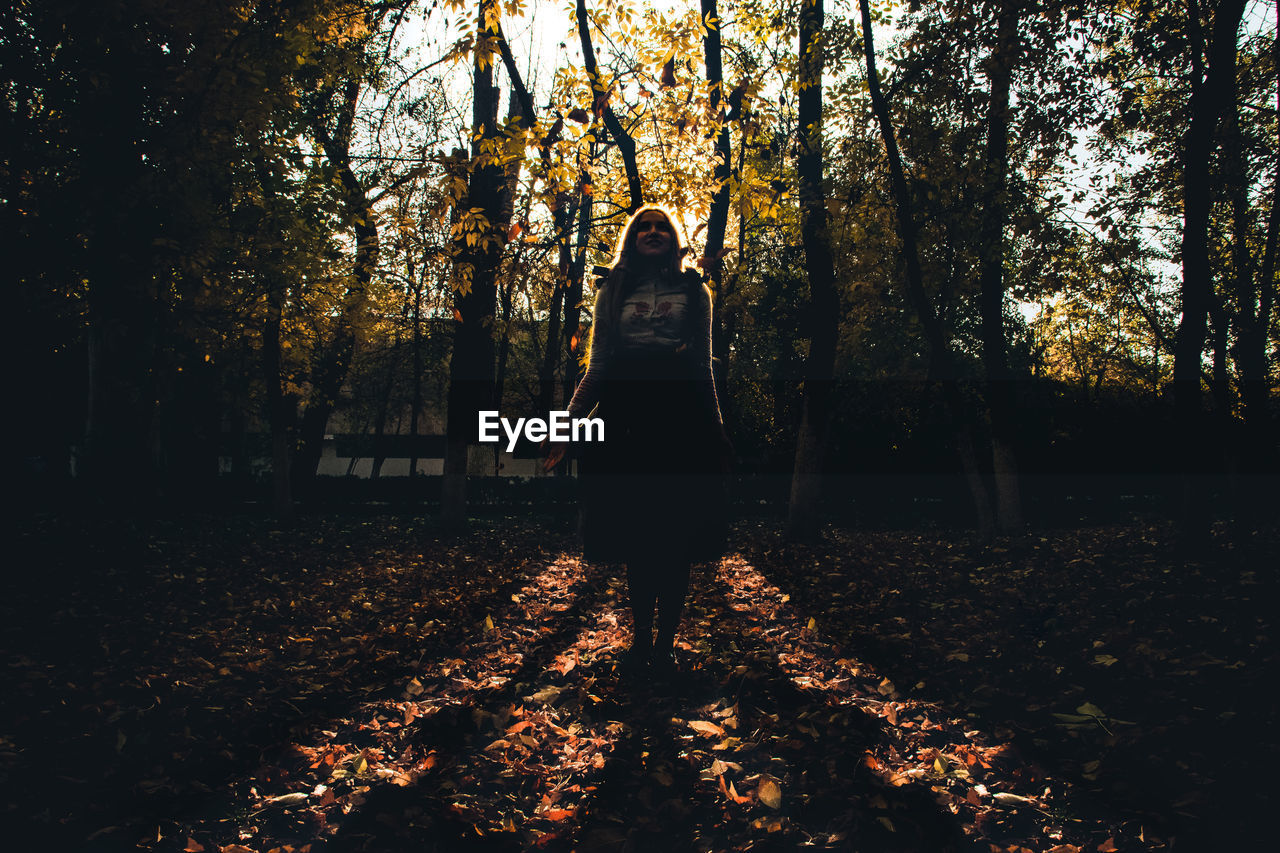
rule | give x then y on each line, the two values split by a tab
384	400
573	296
718	217
415	396
941	359
337	353
507	290
280	411
1254	388
1000	392
562	219
803	521
1205	109
600	106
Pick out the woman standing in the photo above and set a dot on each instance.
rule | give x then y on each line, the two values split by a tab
653	489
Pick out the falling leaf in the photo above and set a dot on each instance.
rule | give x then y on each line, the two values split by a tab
770	794
488	623
813	624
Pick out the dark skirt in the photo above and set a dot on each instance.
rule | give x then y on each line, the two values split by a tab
654	489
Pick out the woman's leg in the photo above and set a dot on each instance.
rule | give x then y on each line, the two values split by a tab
642	590
672	589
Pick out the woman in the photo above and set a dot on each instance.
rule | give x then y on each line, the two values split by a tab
652	490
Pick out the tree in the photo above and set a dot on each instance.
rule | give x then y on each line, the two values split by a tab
941	359
481	224
991	259
1207	99
803	518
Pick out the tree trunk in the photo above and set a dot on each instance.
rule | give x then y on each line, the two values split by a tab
1255	389
384	400
471	366
335	354
718	217
281	411
600	106
803	521
941	359
506	292
562	220
573	296
991	245
122	308
415	396
1205	108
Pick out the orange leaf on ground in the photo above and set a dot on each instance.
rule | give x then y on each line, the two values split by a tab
1108	846
557	814
706	729
732	793
193	846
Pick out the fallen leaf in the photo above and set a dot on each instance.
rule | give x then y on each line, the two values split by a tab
706	729
770	794
286	800
1012	800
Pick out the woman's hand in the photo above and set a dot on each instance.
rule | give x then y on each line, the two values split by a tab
554	453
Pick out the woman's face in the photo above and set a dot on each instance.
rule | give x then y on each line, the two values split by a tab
654	236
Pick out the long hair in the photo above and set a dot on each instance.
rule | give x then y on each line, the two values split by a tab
621	280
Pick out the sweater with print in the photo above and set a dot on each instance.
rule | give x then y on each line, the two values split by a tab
655	318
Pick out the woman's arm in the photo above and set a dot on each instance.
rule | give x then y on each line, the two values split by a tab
587	394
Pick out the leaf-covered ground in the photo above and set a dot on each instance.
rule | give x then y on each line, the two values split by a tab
366	683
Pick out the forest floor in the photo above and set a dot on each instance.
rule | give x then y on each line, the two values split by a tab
367	683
